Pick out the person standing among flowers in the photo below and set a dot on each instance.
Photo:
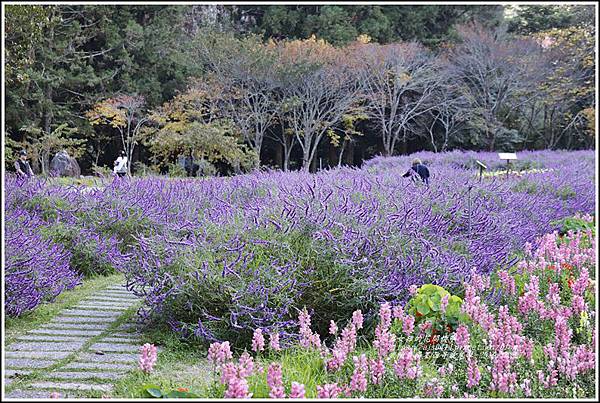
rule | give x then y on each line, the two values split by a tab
121	165
419	168
22	166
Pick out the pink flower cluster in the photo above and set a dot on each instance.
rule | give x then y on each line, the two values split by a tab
258	341
408	365
234	376
358	382
344	345
218	353
307	337
476	309
503	378
384	339
328	391
147	357
551	252
275	381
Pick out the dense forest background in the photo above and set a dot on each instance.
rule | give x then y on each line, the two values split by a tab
293	86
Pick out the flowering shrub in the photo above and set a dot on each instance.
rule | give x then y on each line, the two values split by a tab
539	343
36	270
218	258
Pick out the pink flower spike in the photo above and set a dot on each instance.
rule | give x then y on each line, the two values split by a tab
147	357
218	353
444	302
54	395
274	341
328	391
297	391
357	319
258	341
238	389
333	329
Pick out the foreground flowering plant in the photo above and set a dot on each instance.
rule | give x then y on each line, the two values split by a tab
539	342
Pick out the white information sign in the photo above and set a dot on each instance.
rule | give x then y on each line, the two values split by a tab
507	156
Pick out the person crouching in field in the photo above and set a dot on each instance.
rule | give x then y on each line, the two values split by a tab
419	168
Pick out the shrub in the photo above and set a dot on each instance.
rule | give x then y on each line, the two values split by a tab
36	270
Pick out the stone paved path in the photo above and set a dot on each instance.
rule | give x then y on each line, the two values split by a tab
79	351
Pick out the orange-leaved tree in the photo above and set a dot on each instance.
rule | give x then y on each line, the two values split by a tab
124	113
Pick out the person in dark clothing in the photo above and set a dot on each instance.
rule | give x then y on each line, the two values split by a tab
190	166
22	165
419	168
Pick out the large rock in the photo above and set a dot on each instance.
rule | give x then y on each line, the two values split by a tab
64	165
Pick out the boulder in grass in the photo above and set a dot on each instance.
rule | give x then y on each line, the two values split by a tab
64	165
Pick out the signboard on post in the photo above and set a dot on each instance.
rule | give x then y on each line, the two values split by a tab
481	166
508	157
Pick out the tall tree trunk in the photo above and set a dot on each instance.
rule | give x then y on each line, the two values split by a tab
279	155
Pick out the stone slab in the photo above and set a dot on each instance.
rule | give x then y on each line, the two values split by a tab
81	319
10	373
115	347
27	364
108	357
53	355
107	304
85	375
122	340
52	337
45	346
116	295
75	326
66	332
90	313
97	366
128	327
108	299
103	308
30	394
125	335
71	386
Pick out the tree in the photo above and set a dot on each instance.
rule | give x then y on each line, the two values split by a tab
567	89
123	113
242	79
399	80
447	118
320	87
24	28
497	75
530	19
341	24
46	144
187	125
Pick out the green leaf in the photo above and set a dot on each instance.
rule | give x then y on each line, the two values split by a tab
423	309
178	394
153	391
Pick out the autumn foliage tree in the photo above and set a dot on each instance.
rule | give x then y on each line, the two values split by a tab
190	126
320	86
124	113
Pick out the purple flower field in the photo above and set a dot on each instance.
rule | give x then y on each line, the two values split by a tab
220	257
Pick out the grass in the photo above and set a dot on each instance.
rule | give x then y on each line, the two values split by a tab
179	364
86	181
15	327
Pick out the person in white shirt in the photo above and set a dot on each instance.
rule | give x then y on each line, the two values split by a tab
121	165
